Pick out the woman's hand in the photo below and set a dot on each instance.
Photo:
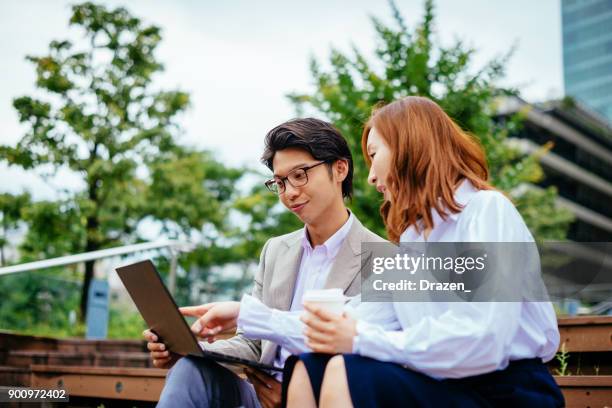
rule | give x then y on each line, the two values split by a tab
328	332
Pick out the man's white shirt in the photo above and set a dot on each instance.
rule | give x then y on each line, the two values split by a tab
284	328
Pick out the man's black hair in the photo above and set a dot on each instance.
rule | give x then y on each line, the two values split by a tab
319	138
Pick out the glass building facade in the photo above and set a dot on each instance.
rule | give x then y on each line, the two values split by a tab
587	52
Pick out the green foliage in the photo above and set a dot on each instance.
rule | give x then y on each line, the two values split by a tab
412	62
265	219
30	302
174	197
257	217
11	212
562	358
101	117
31	305
539	212
125	324
55	228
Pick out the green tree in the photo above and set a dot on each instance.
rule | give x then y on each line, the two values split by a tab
11	213
54	229
266	218
257	216
104	120
30	301
412	62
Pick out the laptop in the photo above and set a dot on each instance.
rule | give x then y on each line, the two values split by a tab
159	310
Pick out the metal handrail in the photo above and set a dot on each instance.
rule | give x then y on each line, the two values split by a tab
174	247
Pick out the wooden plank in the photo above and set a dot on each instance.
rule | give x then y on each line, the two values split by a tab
142	384
82	345
585	381
587	397
586	338
108	359
124	371
586	390
583	320
13	341
15	376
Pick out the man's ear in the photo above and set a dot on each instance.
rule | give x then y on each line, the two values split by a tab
341	169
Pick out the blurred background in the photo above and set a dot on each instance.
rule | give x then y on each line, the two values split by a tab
133	130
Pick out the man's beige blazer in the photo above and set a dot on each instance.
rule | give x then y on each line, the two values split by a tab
275	282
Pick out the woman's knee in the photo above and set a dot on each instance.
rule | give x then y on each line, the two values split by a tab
335	375
299	378
335	365
300	390
335	391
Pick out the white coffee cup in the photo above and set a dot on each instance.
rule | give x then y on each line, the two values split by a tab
331	300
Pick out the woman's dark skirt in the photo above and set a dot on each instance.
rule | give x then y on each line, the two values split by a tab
373	383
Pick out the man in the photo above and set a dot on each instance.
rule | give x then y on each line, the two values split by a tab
313	171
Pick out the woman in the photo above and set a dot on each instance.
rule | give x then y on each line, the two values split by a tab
434	180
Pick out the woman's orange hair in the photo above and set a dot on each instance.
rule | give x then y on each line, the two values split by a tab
430	154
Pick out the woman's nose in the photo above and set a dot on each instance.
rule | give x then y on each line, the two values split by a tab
372	177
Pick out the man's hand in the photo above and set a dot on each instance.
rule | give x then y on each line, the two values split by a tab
162	358
328	332
267	388
217	318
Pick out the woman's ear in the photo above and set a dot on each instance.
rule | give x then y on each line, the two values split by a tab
341	169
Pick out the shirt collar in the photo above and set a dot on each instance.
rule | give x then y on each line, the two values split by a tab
333	243
462	196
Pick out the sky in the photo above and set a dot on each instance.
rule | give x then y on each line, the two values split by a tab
239	59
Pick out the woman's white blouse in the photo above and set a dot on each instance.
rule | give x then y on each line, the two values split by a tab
452	339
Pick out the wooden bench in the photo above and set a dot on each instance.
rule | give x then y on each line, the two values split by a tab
588	342
25	358
586	390
47	363
137	384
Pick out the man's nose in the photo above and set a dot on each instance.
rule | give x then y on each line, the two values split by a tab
290	191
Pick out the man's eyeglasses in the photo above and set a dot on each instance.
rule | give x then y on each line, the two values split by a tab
296	177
